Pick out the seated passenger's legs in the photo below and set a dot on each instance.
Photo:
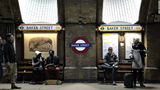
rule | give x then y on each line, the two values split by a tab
111	68
37	75
113	74
52	72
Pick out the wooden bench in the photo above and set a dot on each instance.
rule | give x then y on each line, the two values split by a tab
120	69
25	70
25	67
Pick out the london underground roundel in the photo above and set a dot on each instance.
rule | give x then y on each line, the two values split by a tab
80	45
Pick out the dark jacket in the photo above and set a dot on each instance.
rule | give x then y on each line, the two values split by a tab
142	49
138	45
36	62
52	60
111	59
1	53
9	53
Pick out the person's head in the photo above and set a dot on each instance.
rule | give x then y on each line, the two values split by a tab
10	38
110	50
38	53
135	40
51	52
0	40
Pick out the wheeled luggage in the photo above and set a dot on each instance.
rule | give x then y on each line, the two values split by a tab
128	80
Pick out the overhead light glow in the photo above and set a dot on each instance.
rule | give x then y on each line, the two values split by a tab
39	11
121	10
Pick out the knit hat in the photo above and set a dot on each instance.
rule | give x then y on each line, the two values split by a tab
37	52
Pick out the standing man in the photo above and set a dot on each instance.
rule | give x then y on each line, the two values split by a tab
1	57
10	60
138	53
110	62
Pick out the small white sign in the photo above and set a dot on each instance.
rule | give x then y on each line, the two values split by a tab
105	28
42	27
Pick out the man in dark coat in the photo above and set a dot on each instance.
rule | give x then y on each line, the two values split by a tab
10	60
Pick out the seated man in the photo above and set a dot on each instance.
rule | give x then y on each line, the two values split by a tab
52	66
38	68
110	62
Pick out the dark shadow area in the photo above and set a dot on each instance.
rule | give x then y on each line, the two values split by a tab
4	89
105	83
147	87
138	87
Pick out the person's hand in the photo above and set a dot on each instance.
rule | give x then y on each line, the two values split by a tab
40	60
131	56
115	66
107	64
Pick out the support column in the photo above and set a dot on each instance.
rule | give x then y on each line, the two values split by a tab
80	67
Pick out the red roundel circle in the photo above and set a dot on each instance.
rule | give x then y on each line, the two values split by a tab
80	41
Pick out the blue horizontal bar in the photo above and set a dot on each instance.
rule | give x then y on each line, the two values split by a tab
80	45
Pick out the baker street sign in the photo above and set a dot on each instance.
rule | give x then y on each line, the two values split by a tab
107	28
39	27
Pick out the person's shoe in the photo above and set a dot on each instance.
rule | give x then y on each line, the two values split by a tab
114	83
13	86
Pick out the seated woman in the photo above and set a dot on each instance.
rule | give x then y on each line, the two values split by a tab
52	66
110	62
38	68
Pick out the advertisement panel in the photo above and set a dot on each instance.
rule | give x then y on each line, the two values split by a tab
110	40
42	42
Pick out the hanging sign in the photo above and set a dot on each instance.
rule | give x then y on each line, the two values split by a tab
107	28
39	27
80	45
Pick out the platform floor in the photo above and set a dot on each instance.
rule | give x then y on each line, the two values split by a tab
79	86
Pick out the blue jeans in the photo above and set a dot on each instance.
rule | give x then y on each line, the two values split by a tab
104	66
1	70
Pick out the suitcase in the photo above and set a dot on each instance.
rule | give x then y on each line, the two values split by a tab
128	80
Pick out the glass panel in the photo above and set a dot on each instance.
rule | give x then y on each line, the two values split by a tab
128	42
110	40
39	11
121	10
